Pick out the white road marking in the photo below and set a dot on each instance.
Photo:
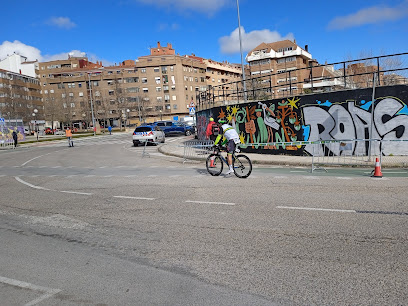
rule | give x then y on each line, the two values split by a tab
298	171
386	172
311	177
75	192
56	167
48	292
29	185
343	178
204	202
90	175
175	175
280	177
33	159
107	175
131	175
136	198
152	175
318	209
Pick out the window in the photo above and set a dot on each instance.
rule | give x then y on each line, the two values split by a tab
71	94
143	70
133	89
173	87
79	85
45	91
132	80
97	93
72	105
51	90
157	79
158	89
174	98
112	102
144	80
145	89
61	86
166	98
110	82
111	92
174	106
156	69
98	102
63	95
159	99
165	88
95	83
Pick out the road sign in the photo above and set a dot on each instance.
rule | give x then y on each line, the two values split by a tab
192	104
192	111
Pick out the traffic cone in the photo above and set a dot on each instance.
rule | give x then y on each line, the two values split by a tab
377	169
212	162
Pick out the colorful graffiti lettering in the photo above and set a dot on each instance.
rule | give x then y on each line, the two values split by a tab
349	121
262	125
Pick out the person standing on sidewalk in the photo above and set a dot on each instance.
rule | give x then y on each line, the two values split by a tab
15	138
110	130
68	133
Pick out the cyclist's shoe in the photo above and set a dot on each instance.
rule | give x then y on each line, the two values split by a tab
230	171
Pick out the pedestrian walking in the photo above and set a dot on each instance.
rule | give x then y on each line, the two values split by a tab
15	138
110	130
68	134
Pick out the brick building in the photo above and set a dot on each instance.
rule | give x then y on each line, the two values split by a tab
153	87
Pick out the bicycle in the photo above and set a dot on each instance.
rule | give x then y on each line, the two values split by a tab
241	164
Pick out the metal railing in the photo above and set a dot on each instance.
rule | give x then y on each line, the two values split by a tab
196	149
352	74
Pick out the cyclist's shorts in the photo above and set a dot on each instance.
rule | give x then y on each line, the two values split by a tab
231	146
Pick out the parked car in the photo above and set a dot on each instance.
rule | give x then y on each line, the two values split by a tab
148	133
28	132
170	127
59	132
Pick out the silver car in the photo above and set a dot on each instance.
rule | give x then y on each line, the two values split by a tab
149	134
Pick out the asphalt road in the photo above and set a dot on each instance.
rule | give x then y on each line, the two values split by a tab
103	223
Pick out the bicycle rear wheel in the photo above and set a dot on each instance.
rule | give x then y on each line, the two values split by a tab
242	166
214	164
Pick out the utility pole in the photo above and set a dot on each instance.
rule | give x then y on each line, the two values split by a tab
242	57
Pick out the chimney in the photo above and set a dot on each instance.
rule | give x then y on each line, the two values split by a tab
158	45
169	46
307	48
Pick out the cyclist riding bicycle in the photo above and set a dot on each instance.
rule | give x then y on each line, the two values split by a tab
231	139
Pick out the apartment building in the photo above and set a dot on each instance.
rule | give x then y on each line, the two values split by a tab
20	98
282	59
158	86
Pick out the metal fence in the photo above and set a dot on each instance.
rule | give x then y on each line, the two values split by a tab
196	149
348	152
352	74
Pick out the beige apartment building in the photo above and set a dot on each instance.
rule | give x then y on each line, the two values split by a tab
159	86
282	59
20	98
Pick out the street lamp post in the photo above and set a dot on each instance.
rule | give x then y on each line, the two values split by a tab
92	111
35	122
127	122
161	119
242	57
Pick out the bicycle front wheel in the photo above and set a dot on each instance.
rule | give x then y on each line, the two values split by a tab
242	166
214	164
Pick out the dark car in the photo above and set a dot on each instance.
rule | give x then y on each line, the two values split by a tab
174	127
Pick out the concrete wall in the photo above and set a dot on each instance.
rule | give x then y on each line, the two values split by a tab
336	115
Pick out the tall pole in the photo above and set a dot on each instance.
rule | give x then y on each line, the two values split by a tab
92	112
242	57
370	144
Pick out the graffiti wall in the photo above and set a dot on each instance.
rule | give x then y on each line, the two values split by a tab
339	115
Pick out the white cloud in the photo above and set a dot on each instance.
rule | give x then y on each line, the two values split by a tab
32	53
370	15
204	6
8	48
61	22
230	44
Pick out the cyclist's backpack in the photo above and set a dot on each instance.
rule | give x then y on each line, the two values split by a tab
215	129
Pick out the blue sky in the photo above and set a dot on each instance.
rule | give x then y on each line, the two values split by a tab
113	31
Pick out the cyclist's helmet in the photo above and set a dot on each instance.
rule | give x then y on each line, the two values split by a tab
211	119
222	120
